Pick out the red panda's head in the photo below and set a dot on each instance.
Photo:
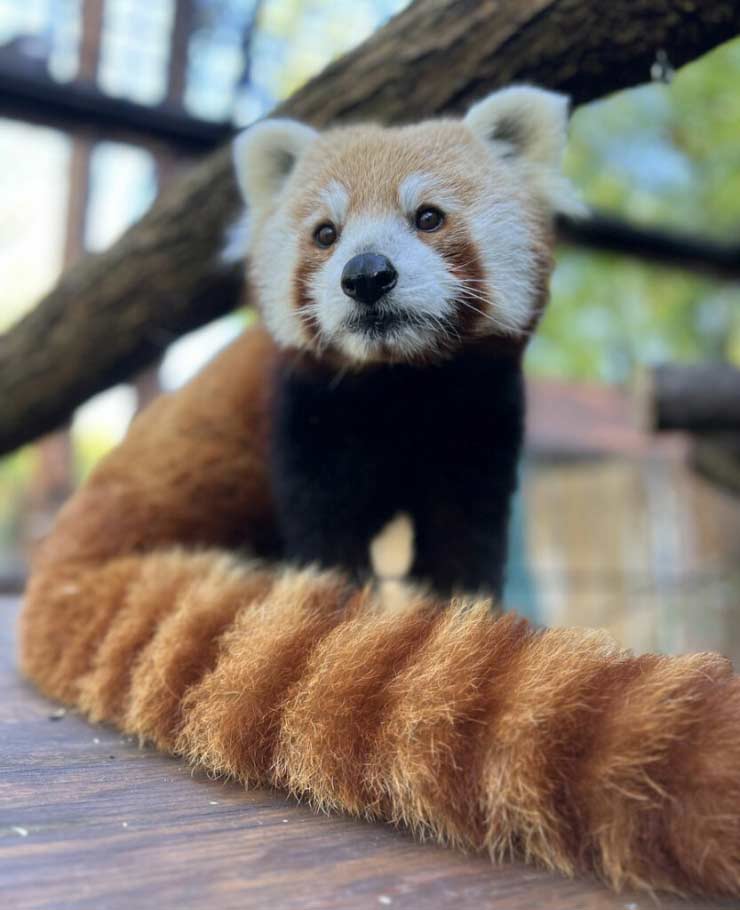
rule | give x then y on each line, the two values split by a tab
401	244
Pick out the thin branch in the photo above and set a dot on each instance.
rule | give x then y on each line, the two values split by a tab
666	247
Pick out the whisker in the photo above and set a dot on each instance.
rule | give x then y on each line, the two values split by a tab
480	298
487	316
470	294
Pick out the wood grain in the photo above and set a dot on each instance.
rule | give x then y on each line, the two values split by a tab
90	821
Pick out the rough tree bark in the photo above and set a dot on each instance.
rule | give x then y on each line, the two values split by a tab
113	313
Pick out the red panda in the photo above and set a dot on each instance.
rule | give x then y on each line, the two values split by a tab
374	421
402	271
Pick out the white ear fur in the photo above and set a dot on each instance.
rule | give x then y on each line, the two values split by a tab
523	122
265	154
530	125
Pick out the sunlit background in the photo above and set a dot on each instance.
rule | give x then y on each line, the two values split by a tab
596	528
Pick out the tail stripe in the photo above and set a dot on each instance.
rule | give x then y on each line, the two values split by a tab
465	726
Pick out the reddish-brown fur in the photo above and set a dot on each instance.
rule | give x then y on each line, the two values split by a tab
466	726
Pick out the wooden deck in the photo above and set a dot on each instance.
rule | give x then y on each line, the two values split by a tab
88	821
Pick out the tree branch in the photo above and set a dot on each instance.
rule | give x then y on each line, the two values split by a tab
113	313
665	247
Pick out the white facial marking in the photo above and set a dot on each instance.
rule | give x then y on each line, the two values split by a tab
274	260
336	199
419	188
422	299
503	238
427	292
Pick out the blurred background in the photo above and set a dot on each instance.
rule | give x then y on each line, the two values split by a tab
614	526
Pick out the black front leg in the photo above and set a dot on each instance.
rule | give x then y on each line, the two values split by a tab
334	475
440	442
461	532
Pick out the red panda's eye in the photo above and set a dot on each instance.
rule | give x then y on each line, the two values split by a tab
428	218
325	234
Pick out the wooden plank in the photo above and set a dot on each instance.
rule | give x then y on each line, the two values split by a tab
92	26
177	65
642	547
698	397
88	820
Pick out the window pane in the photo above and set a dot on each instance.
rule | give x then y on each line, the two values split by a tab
123	184
34	164
135	49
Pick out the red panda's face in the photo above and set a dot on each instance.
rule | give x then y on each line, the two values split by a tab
392	245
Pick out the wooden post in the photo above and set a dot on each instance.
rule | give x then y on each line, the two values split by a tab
699	397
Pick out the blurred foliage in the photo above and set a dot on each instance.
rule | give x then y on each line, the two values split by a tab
296	38
15	476
663	155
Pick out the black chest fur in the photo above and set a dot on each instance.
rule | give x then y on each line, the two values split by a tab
438	442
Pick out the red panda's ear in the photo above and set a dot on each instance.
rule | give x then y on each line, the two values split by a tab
264	156
523	122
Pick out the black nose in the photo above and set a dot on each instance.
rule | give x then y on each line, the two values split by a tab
367	277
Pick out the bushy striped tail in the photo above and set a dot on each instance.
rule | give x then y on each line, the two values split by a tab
465	726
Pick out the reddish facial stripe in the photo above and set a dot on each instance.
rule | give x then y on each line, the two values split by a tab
303	275
461	256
